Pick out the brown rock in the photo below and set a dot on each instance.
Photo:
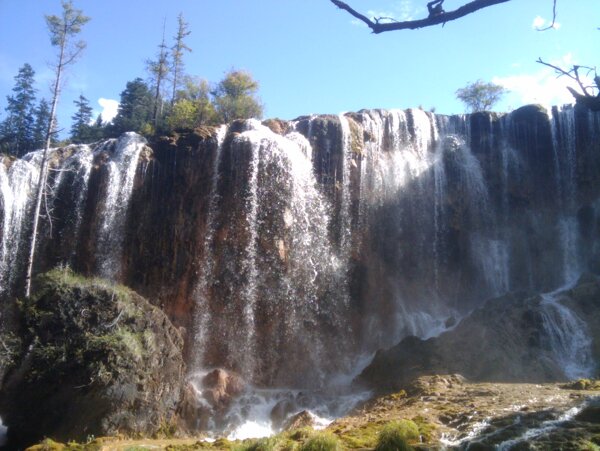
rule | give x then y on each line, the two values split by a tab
220	387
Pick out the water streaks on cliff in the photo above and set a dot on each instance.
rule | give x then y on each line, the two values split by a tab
289	248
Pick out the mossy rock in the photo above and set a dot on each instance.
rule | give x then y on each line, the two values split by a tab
97	359
583	384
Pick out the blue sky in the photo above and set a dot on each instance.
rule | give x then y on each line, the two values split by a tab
308	56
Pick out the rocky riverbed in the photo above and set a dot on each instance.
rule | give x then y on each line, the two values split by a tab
450	414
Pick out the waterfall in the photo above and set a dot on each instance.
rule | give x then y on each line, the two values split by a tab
286	261
567	337
345	213
121	172
319	240
17	191
249	263
201	293
439	219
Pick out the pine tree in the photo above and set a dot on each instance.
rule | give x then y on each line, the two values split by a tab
81	130
19	124
42	120
159	70
97	129
62	29
177	52
135	109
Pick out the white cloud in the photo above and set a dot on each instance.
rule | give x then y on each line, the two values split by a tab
109	108
542	86
539	22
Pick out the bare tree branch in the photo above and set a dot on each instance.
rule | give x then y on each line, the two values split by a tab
553	19
586	99
572	74
377	27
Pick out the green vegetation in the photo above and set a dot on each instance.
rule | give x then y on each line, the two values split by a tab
364	436
17	129
235	97
144	107
192	106
81	130
51	445
480	96
583	384
135	109
396	435
321	441
89	340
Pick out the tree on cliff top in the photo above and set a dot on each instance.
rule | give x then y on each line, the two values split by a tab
42	118
18	127
480	96
159	69
177	52
235	97
63	30
192	107
135	108
81	130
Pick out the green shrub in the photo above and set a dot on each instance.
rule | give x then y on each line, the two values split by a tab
396	434
263	444
322	441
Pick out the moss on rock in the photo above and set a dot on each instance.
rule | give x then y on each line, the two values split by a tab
97	359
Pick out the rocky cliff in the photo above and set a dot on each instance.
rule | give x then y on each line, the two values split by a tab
288	248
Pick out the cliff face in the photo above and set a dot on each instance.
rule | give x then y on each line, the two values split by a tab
287	248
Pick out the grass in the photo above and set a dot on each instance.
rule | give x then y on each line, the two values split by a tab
321	441
396	435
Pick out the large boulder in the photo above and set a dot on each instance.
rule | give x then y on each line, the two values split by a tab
97	359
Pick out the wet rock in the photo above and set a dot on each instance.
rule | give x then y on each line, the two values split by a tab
590	414
219	387
300	420
281	411
97	359
193	414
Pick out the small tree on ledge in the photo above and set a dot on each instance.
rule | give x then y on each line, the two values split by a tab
480	96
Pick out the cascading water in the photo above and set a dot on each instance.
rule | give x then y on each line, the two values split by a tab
567	337
17	185
121	172
279	202
201	294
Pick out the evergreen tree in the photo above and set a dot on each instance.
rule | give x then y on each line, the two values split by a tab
135	108
177	52
42	120
97	129
235	97
17	129
63	30
81	130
